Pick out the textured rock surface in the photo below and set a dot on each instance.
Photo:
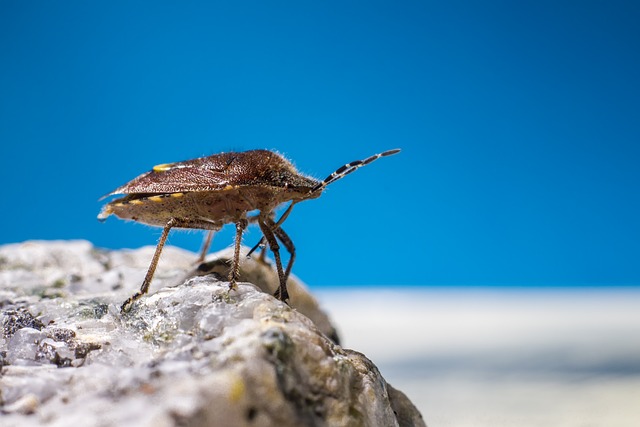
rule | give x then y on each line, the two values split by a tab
192	353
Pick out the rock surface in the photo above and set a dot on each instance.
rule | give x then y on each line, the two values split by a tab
190	354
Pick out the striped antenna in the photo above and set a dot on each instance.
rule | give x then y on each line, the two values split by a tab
345	170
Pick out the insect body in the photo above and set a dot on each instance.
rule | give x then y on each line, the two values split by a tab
209	192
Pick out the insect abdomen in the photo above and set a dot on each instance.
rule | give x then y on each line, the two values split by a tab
205	210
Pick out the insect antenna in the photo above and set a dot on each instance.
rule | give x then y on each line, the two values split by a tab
345	170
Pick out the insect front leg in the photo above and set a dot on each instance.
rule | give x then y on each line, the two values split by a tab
281	293
288	244
260	243
126	306
235	269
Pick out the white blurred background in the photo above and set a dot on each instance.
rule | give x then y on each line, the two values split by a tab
501	357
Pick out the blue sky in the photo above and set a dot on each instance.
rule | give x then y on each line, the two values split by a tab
519	124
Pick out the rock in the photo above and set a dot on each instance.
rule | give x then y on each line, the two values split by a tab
192	354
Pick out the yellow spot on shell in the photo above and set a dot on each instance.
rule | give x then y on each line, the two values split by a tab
163	167
106	211
136	202
177	194
229	187
155	198
237	389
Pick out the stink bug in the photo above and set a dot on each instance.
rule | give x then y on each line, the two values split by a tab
208	192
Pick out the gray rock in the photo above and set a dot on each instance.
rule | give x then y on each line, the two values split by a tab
191	353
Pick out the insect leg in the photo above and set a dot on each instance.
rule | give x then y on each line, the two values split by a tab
280	221
260	244
285	214
235	269
206	244
288	244
126	306
281	293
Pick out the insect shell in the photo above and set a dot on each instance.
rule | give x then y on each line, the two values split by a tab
208	192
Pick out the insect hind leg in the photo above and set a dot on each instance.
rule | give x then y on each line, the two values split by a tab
126	306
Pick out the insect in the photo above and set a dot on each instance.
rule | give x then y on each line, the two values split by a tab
208	192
